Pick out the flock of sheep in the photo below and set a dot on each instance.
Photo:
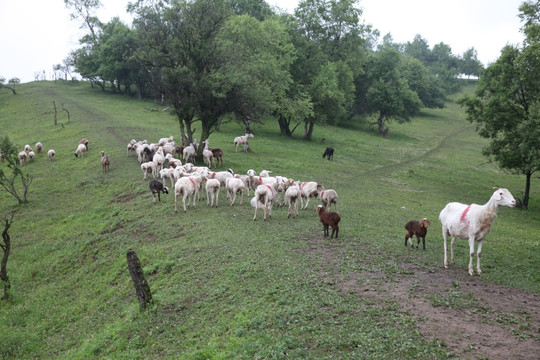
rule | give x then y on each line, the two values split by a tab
471	222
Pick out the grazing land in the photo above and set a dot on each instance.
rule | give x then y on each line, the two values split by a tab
226	287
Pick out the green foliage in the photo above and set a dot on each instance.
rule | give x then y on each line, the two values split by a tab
13	180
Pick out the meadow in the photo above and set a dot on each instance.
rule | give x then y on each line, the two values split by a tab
227	287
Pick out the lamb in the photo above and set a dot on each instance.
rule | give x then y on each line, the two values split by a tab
245	179
212	188
39	147
22	157
31	156
221	175
164	141
217	154
51	154
264	197
472	222
80	150
309	189
156	187
167	173
241	140
329	219
105	162
159	160
329	197
148	167
235	185
27	148
329	152
85	143
292	195
418	228
187	188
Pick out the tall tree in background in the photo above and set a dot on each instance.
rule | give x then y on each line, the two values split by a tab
506	103
469	64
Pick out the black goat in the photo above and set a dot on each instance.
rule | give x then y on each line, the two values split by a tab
328	152
157	187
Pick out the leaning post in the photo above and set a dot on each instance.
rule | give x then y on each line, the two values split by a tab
142	289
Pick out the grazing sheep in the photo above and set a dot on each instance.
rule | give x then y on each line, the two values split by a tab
156	187
187	188
27	148
472	222
105	162
80	150
39	147
212	189
22	157
329	152
148	167
329	197
264	197
309	189
418	228
85	143
241	140
233	186
31	156
329	219
292	195
51	154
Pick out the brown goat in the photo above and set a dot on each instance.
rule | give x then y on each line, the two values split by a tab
218	155
418	228
329	219
105	162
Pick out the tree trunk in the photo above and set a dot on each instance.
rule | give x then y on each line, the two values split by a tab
380	124
55	114
6	246
142	289
284	126
308	129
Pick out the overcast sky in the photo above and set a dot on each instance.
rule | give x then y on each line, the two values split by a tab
36	34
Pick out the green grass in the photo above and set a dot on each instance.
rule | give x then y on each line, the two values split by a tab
226	287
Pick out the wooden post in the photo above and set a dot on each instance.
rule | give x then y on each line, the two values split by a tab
55	113
142	289
6	247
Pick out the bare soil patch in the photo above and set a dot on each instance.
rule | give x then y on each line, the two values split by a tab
474	318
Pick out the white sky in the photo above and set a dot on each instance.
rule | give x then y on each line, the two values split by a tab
36	34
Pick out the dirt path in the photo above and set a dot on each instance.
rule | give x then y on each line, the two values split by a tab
475	319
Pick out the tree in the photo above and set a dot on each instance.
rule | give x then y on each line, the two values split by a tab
506	109
6	249
385	92
469	64
9	179
9	84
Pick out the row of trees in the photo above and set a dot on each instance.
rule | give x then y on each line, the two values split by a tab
212	60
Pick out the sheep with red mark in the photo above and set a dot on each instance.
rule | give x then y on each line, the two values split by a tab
329	197
187	188
263	199
241	140
309	190
418	228
472	222
329	219
291	198
212	190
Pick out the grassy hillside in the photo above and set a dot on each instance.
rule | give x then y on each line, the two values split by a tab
225	286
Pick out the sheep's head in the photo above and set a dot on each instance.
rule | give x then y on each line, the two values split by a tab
503	197
424	223
165	190
320	209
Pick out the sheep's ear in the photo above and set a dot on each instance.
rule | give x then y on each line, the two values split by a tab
495	188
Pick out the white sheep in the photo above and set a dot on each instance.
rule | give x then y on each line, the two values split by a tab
164	141
246	180
27	148
264	197
208	155
308	190
167	173
51	154
80	150
233	186
292	195
472	222
159	160
189	153
22	157
187	188
329	197
221	176
39	147
241	140
149	167
212	189
31	156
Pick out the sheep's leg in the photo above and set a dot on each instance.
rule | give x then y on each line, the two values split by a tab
154	196
418	241
241	197
157	197
424	243
184	201
256	206
445	235
307	202
471	253
217	197
175	201
452	250
208	199
478	255
232	196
